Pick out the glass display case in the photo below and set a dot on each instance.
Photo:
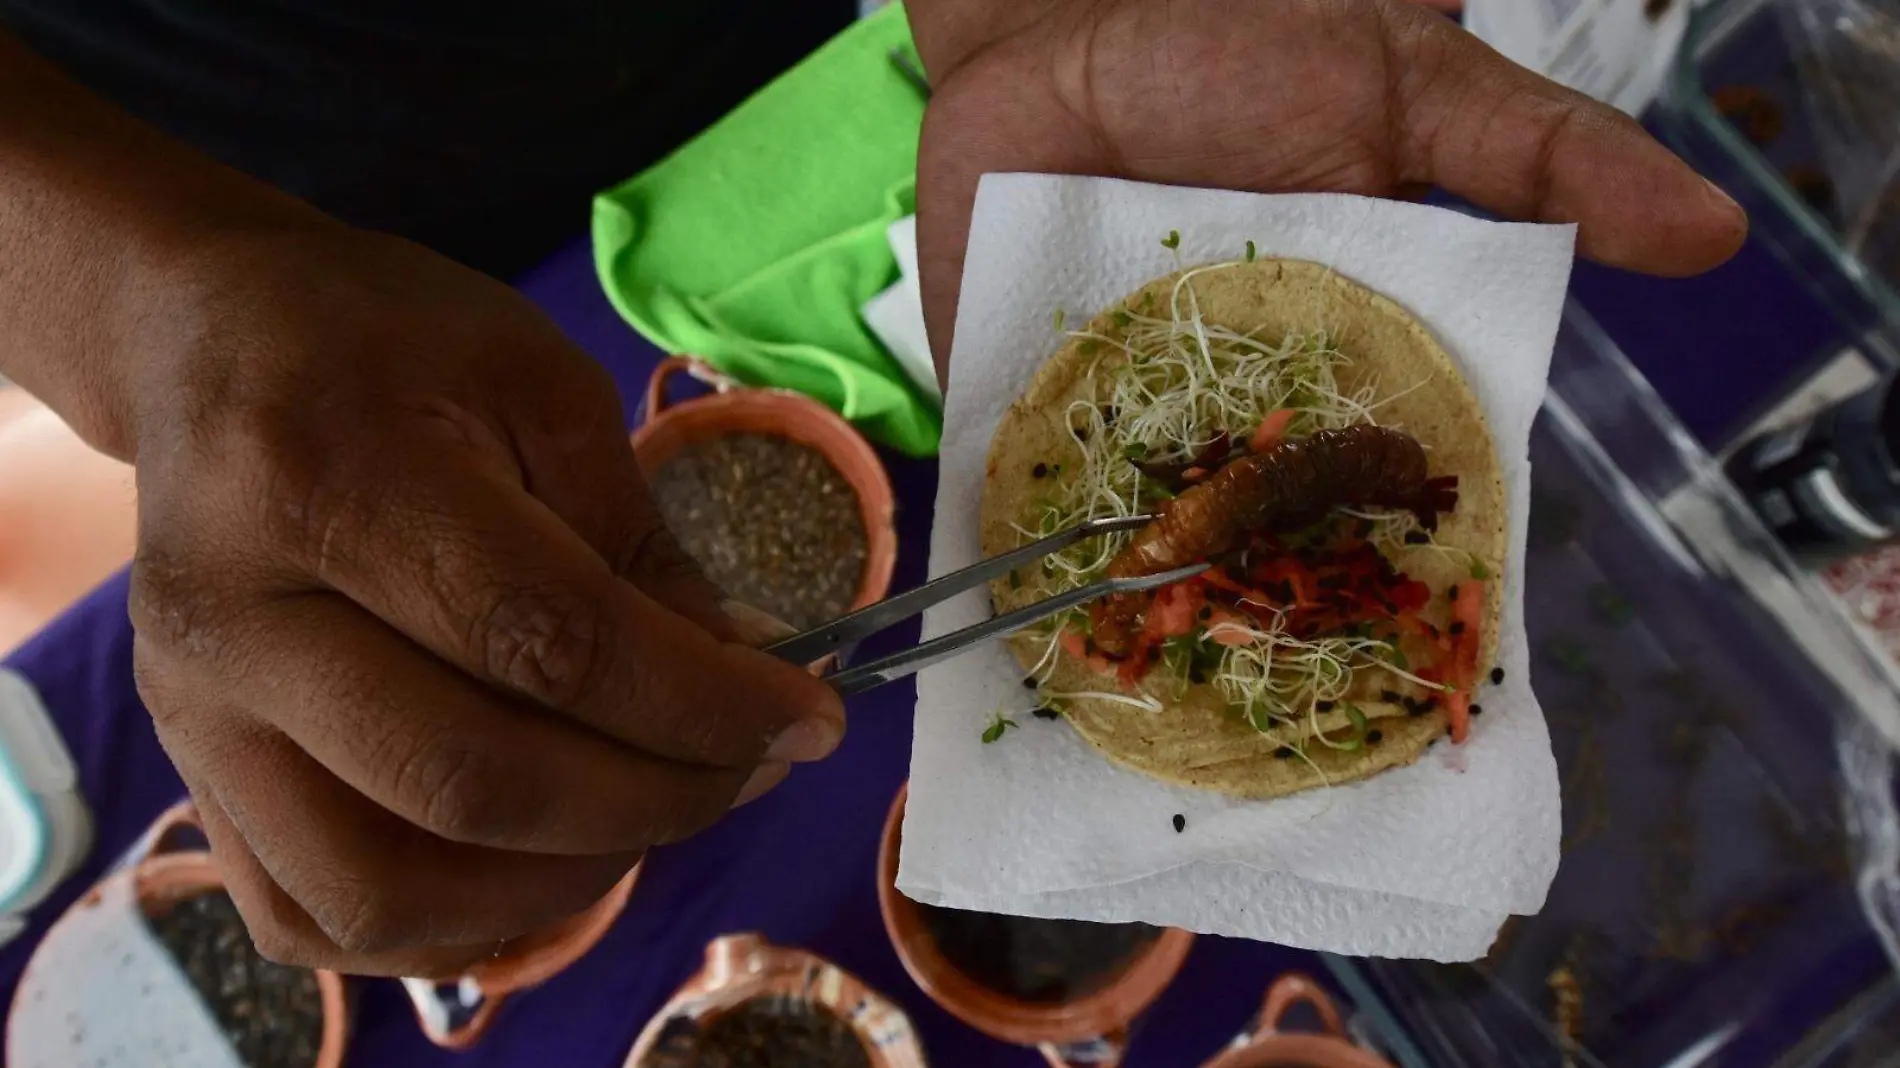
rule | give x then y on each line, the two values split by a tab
1734	108
1722	745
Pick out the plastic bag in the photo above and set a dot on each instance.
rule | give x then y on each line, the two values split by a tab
1848	56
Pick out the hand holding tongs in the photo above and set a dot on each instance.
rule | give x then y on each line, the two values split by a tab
816	643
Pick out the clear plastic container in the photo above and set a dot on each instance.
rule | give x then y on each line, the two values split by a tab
1725	877
1734	108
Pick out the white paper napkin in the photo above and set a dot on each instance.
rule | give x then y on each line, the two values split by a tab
896	315
1424	861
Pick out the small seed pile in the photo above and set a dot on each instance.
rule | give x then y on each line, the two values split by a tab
764	1032
272	1014
771	521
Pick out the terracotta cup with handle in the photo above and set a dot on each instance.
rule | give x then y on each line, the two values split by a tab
1088	1030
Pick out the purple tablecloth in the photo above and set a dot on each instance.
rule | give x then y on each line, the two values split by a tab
798	866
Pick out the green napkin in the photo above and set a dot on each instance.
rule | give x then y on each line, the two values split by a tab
757	243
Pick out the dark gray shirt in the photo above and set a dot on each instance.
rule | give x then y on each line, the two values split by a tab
480	127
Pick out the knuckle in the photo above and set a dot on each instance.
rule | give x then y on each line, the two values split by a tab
307	511
280	945
654	553
461	793
167	602
154	680
359	923
270	917
548	644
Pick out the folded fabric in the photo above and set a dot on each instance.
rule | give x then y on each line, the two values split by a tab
756	245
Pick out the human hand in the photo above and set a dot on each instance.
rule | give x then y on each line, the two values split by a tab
407	622
1376	97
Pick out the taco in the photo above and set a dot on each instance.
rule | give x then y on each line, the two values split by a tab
1316	446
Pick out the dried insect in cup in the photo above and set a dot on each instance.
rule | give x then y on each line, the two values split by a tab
272	1014
770	520
761	1032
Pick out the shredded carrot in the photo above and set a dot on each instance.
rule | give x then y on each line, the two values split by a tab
1226	628
1469	607
1135	665
1221	580
1270	430
1074	643
1300	600
1468	610
1458	710
1462	672
1172	613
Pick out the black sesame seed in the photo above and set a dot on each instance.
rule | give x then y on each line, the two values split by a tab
1457	627
1029	682
1452	594
1497	675
1373	737
1477	710
1207	611
1196	675
1180	823
1045	712
1039	471
1416	709
1417	537
1390	697
1285	752
1323	706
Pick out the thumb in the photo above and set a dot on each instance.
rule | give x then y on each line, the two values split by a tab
755	626
1491	131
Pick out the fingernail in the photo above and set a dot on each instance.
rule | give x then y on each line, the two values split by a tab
764	777
806	740
756	627
1720	195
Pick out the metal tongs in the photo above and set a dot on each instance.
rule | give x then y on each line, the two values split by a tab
822	641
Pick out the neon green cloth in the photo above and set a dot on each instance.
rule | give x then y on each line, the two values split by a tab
756	244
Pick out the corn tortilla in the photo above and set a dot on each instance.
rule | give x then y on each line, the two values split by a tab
1195	740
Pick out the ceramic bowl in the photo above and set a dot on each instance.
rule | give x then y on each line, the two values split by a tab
668	427
740	967
1091	1029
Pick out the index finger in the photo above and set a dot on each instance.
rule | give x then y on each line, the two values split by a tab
474	569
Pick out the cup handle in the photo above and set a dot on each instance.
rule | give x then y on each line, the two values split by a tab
161	836
1295	989
1103	1051
662	374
